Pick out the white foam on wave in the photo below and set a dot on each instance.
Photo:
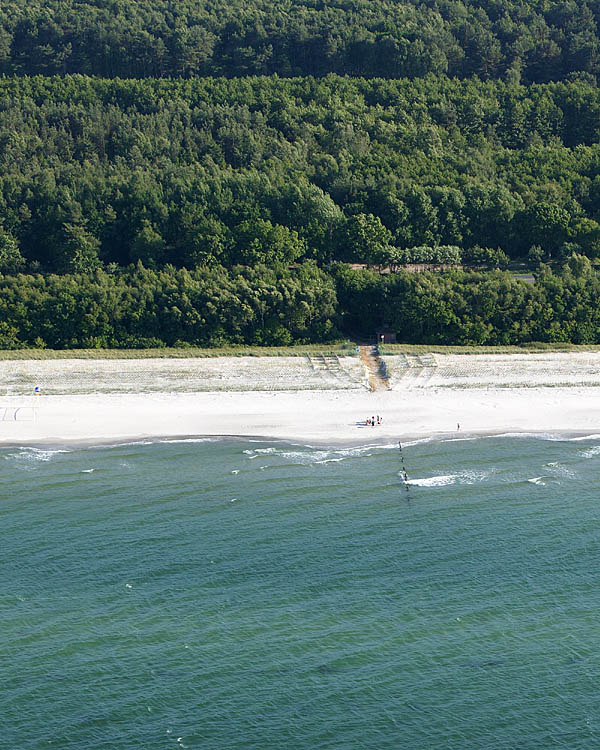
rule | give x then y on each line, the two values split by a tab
438	481
312	455
410	443
333	460
549	436
594	450
328	456
386	446
131	442
258	440
472	477
301	457
462	477
35	454
537	480
544	480
460	439
560	470
190	440
557	473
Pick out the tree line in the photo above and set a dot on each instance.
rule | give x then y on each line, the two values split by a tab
140	308
96	173
510	39
473	308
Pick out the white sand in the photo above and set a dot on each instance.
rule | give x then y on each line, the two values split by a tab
296	399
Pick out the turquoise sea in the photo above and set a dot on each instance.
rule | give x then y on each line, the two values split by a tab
206	594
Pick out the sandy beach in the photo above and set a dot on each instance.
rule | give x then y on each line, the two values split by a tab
309	400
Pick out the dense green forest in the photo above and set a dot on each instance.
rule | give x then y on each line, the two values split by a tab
265	170
512	39
139	307
180	173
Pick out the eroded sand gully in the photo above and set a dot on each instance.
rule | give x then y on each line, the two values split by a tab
318	399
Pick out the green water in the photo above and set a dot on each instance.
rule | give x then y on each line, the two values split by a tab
260	595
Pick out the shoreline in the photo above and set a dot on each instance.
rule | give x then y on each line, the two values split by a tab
407	441
275	399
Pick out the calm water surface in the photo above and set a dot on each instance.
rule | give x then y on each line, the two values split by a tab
261	595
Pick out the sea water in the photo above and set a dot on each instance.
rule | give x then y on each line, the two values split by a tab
201	594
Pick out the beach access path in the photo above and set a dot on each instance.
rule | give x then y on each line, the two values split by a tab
308	399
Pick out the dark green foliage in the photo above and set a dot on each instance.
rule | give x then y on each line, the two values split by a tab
11	260
517	41
488	257
140	308
365	239
188	211
460	307
214	171
440	255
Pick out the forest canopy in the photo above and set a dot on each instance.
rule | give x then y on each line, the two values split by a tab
205	173
511	39
140	308
253	171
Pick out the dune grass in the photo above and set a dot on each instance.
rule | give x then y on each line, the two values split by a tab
530	348
341	349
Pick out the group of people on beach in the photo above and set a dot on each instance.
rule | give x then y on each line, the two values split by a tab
371	421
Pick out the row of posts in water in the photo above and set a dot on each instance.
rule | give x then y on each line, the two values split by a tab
404	474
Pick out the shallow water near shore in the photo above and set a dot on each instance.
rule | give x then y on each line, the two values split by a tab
252	594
